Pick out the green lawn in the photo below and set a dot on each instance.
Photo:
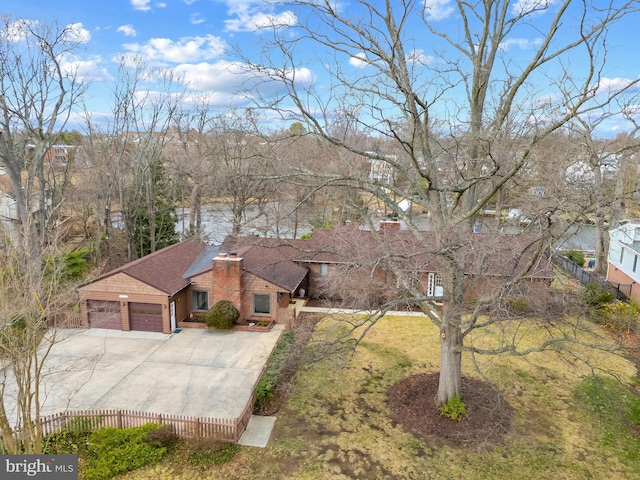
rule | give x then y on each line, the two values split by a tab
336	424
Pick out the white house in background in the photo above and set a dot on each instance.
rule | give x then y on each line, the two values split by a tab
8	208
9	218
624	258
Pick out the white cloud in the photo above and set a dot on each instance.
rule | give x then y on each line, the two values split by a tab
18	30
418	57
613	85
186	49
359	60
248	19
75	32
527	7
189	2
438	9
522	43
230	81
128	30
196	19
142	5
86	70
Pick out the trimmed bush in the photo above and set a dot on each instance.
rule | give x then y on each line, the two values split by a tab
620	316
164	436
598	296
269	379
454	409
222	315
113	451
575	256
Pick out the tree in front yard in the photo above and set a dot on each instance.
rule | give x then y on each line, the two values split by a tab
458	110
29	298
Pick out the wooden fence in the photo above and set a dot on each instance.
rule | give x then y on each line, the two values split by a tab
66	320
222	429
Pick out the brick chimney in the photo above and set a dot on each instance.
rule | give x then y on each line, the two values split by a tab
227	279
390	225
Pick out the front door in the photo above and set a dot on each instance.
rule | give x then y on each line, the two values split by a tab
434	285
172	315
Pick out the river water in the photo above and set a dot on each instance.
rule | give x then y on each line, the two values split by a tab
217	224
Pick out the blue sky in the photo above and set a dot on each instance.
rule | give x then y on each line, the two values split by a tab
195	38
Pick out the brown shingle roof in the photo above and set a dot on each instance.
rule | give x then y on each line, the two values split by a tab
163	269
488	254
272	265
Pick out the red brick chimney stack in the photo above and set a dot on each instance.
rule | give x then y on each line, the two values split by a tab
389	225
227	279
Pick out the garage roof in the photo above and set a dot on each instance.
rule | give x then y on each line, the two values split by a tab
163	269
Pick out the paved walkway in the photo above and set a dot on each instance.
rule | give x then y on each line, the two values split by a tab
328	310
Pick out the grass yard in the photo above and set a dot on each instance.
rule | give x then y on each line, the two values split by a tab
335	424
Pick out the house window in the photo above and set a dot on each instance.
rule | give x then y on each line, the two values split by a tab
199	300
434	286
261	304
324	269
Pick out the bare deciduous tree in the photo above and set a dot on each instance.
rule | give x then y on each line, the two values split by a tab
465	117
38	91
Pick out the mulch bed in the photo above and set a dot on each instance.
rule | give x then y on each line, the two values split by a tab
489	415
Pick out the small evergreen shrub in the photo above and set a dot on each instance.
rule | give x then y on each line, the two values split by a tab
164	436
66	442
519	305
597	296
68	266
633	412
454	409
113	451
222	315
576	256
620	316
269	379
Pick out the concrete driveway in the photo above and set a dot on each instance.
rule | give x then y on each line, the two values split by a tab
195	372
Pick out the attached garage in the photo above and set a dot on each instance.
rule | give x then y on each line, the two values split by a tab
104	314
146	317
149	294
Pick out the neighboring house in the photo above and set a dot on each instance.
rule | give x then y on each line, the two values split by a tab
8	208
353	263
9	218
623	260
261	276
57	155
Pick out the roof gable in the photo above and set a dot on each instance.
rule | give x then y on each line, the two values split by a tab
272	265
489	254
163	269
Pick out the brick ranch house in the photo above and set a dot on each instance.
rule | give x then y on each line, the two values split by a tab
157	292
261	276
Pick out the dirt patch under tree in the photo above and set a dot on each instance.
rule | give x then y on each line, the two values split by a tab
412	404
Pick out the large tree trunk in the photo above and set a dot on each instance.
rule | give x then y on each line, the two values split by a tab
451	341
602	247
450	362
